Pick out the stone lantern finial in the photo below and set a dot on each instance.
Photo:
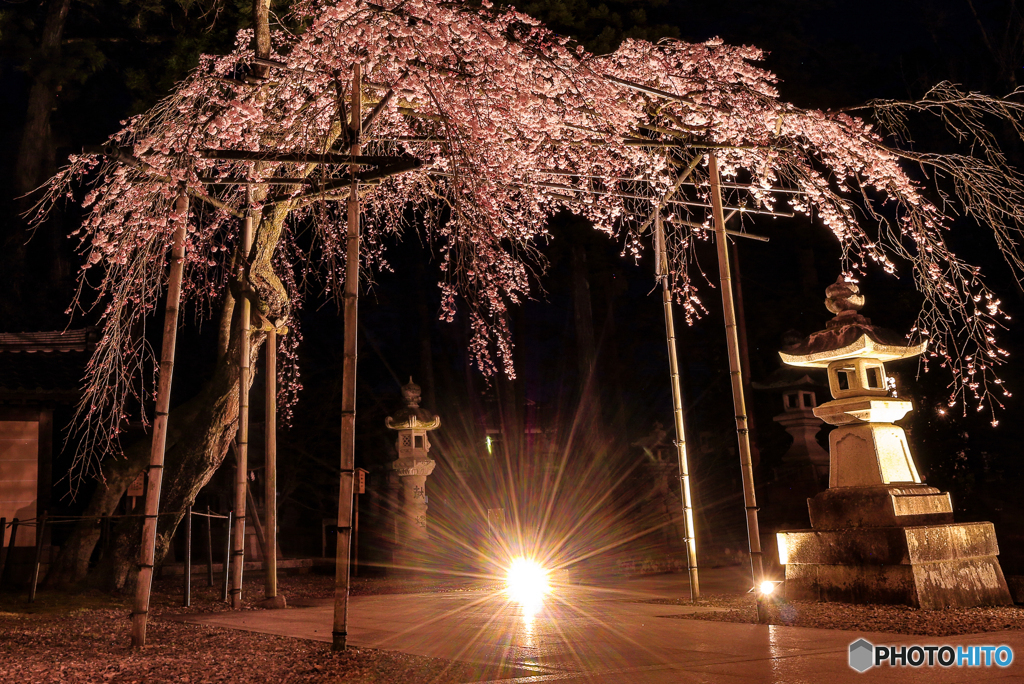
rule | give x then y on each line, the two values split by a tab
843	296
412	392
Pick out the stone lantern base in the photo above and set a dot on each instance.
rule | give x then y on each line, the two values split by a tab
892	544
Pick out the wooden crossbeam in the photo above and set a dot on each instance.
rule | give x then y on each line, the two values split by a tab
300	157
647	89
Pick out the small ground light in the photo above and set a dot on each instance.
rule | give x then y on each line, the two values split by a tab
767	587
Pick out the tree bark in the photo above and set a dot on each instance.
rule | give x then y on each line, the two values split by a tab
261	33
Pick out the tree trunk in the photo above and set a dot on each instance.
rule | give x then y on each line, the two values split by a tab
35	161
261	33
36	154
586	347
199	434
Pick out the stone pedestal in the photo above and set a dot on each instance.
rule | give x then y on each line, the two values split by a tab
412	528
892	545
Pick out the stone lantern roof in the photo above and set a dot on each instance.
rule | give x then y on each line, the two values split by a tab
411	416
849	335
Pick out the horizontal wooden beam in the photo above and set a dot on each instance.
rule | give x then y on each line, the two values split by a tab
300	157
643	142
124	155
257	181
632	85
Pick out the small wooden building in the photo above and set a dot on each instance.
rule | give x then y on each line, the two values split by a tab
39	372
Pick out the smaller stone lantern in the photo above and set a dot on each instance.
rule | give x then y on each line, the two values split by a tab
662	500
879	534
412	466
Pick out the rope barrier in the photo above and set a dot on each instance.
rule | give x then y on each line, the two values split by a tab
30	522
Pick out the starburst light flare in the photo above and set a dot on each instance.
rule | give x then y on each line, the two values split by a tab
526	583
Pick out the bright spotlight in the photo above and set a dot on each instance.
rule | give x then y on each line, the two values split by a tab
767	587
527	583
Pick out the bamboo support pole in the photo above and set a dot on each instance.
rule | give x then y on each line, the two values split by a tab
348	391
147	552
736	374
270	481
741	329
242	436
677	405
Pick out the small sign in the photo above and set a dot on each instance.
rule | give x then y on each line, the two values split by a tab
361	480
496	517
138	485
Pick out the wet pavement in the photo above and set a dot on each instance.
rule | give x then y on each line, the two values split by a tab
607	634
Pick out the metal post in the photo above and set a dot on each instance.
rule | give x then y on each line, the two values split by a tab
40	531
735	372
355	536
10	547
3	548
242	436
227	555
348	380
147	552
677	404
253	512
188	557
209	549
270	483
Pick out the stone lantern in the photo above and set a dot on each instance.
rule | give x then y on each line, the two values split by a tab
803	469
804	458
662	469
412	467
879	534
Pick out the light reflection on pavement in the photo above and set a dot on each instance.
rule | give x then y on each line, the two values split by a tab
602	634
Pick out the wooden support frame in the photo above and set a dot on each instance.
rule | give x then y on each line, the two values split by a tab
270	468
147	552
348	391
242	436
739	402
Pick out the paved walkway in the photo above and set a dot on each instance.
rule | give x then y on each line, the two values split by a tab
602	634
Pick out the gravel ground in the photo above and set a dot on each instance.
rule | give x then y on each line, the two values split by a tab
84	638
865	618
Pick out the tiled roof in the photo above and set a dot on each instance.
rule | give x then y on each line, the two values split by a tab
82	340
44	366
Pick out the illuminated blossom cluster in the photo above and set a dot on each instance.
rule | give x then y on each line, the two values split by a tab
510	124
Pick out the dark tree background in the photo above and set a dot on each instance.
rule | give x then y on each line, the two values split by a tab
590	347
